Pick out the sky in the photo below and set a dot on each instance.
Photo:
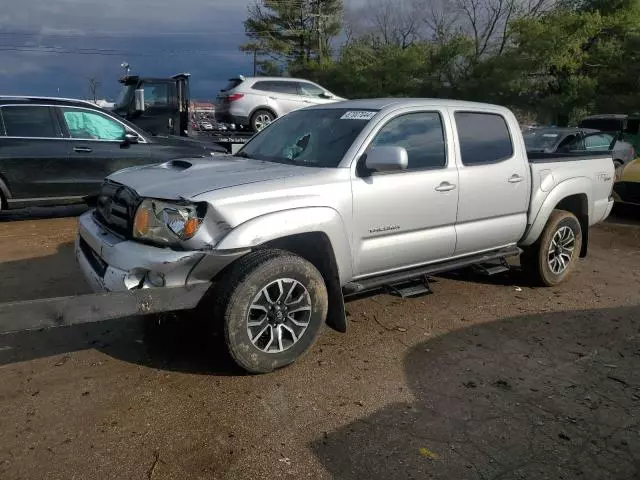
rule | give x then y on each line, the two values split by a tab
51	47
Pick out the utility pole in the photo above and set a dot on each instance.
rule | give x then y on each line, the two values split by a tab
255	56
317	26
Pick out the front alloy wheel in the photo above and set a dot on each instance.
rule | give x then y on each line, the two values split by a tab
279	315
272	305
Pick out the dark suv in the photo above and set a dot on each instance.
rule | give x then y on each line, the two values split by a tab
55	151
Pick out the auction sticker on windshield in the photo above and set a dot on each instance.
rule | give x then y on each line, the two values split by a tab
358	115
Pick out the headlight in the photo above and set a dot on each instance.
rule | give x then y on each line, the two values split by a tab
167	223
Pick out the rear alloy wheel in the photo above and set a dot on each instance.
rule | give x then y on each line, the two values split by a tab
550	260
261	119
272	305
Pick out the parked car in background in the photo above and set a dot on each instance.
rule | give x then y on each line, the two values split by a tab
627	125
341	199
567	140
206	126
57	151
257	101
627	188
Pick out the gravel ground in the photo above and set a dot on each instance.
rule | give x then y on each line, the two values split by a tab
487	378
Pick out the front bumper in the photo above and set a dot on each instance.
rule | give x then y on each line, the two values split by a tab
113	264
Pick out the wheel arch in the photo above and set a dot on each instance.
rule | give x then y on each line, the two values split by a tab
573	195
316	234
262	107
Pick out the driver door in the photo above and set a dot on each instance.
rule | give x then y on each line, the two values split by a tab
407	218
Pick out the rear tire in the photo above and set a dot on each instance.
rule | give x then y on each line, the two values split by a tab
260	119
552	258
272	305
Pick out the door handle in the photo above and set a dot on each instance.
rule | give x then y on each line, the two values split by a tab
445	187
82	149
515	178
273	98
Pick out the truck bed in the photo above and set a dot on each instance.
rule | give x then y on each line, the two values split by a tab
590	176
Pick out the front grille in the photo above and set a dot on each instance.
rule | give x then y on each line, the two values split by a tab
115	207
628	192
98	265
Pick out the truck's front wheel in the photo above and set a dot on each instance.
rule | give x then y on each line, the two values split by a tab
552	258
272	304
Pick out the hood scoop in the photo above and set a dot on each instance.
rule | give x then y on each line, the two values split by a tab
178	164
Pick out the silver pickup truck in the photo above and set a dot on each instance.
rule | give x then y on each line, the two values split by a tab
338	199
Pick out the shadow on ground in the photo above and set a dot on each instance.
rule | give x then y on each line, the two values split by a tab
170	341
167	342
36	213
538	397
47	276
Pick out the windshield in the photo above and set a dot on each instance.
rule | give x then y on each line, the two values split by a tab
541	139
315	138
124	97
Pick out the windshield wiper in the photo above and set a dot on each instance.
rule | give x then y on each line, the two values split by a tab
243	155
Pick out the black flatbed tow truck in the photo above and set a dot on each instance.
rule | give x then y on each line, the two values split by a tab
161	107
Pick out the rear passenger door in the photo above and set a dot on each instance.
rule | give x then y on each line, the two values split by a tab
33	155
494	182
406	218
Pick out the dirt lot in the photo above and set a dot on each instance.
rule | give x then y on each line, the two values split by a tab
487	378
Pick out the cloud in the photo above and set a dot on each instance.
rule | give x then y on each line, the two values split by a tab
50	47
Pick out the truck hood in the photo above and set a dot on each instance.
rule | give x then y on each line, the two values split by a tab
186	178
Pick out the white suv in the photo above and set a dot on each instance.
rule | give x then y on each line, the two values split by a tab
257	101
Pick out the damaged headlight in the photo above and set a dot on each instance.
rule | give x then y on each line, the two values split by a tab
167	223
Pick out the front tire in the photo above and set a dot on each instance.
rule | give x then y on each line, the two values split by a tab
553	257
272	305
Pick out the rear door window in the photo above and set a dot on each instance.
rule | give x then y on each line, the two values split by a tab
484	138
598	142
30	121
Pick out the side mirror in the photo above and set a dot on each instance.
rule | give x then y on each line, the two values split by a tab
326	94
130	138
386	159
139	100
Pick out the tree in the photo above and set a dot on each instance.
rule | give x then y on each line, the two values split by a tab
389	22
292	32
94	85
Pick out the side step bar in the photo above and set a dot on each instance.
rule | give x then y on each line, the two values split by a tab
405	275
